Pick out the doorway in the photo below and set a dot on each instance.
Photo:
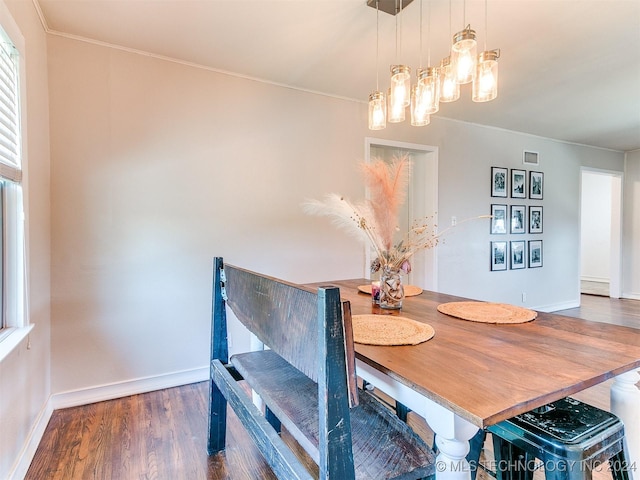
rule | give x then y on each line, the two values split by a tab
600	232
422	201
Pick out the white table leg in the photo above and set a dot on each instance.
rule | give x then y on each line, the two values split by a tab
625	403
452	432
452	439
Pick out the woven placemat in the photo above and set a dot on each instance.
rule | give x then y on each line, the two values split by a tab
389	330
409	290
487	312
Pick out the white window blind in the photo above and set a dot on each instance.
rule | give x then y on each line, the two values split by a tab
9	112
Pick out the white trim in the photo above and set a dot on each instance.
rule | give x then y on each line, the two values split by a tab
631	295
617	215
200	66
99	393
554	307
92	395
10	338
587	278
431	153
21	466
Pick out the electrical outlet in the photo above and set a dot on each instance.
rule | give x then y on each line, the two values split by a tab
524	297
454	221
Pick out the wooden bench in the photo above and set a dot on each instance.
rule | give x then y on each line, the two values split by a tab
307	382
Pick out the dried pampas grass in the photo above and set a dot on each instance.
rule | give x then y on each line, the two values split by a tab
375	219
387	183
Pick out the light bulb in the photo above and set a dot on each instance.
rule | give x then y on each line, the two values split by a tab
400	84
485	83
396	109
429	82
377	111
449	88
463	55
419	114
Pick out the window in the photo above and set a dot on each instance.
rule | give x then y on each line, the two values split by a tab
12	246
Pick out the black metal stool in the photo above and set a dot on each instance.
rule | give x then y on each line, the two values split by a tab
569	437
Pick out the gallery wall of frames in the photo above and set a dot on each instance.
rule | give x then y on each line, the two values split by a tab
515	227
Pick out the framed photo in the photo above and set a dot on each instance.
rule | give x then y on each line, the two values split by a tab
536	181
535	219
535	253
498	256
498	219
518	220
518	183
518	259
499	182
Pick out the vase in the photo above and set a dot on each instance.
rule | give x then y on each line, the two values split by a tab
391	289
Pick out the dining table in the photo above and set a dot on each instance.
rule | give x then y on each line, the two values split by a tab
471	375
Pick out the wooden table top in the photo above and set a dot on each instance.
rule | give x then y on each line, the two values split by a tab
485	372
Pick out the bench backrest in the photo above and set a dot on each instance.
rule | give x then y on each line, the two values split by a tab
287	318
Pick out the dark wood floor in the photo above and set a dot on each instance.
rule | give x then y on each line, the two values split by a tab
162	435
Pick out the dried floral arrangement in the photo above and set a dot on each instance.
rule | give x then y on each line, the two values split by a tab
376	218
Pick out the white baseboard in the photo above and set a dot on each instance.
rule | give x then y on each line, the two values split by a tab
587	278
557	306
630	295
110	391
30	446
97	394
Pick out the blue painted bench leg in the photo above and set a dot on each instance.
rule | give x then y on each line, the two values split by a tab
217	420
273	420
402	411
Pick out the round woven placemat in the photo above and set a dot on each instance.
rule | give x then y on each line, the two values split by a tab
389	330
409	290
487	312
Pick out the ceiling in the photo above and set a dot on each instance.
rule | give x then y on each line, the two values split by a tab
569	69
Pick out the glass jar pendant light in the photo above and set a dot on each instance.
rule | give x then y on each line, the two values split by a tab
377	111
449	88
429	81
377	101
395	108
419	115
485	82
400	85
463	55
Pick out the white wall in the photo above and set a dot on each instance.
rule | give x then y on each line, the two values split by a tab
24	374
631	227
595	227
157	167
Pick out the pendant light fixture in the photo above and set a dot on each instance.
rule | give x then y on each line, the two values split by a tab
464	51
419	115
430	82
485	82
400	90
449	87
377	102
463	55
425	98
396	108
433	84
